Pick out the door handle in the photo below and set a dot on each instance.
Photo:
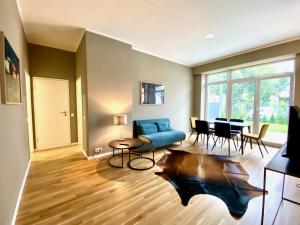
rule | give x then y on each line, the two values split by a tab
64	112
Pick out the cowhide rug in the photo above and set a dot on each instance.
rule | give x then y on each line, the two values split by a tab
193	174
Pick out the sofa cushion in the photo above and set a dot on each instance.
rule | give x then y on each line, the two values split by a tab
165	138
137	123
163	126
150	128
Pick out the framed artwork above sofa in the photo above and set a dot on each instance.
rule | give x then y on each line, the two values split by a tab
152	93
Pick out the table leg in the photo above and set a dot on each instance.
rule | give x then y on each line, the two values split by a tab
116	155
283	186
122	157
281	200
242	141
263	203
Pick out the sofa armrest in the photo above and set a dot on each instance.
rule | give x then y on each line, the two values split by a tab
144	139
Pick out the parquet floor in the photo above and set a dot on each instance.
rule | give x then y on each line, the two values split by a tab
65	188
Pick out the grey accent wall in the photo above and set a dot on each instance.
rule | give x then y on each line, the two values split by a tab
113	74
14	150
197	96
178	83
109	88
55	63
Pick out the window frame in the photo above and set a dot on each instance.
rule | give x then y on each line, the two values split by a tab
257	79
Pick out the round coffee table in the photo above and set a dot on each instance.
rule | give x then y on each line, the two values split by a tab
140	150
127	143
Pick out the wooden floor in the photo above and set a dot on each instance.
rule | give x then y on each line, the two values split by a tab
65	188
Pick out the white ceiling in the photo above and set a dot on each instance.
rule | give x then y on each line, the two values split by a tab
170	29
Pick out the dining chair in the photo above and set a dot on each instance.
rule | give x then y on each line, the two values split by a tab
202	127
193	124
257	138
222	140
223	130
236	129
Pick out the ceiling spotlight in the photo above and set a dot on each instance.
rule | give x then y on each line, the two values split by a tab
209	36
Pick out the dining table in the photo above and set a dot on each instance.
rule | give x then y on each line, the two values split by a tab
239	126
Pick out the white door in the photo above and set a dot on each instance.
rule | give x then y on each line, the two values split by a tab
51	112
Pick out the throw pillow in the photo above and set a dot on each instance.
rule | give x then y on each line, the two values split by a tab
163	126
150	128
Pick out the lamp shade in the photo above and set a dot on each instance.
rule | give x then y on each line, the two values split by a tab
120	119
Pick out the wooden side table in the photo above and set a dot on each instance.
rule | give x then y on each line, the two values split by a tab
121	145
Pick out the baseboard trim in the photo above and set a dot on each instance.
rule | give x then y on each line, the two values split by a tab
84	153
102	155
74	143
99	155
20	194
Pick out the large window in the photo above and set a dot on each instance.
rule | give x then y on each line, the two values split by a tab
216	96
216	101
257	94
274	106
270	69
242	104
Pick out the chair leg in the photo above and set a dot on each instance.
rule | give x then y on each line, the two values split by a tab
191	133
264	146
246	140
196	140
213	137
228	146
207	139
234	144
259	148
223	142
215	143
251	143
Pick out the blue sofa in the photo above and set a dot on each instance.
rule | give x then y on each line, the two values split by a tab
158	132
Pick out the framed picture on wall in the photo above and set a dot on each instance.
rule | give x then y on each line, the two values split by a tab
10	81
152	93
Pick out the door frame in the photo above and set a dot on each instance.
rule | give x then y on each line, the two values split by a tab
29	111
34	109
79	110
